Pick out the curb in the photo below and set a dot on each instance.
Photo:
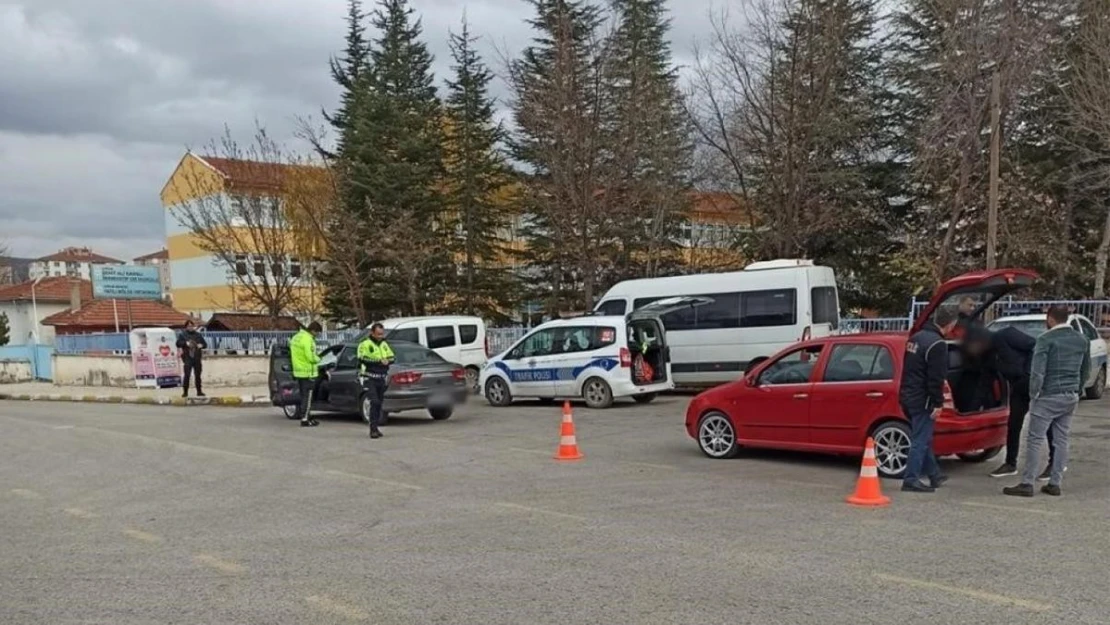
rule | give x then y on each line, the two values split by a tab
244	401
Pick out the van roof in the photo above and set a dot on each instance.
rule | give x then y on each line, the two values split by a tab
668	284
431	318
585	320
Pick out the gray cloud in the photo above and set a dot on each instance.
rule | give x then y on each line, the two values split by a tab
100	99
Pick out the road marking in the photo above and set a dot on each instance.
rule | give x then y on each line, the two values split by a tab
976	504
79	513
804	483
142	536
176	444
650	465
516	506
221	565
25	493
981	595
530	451
367	478
327	604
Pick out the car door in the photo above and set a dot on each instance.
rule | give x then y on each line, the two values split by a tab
343	387
1098	348
777	409
531	365
855	387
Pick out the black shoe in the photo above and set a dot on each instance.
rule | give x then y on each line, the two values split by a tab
1049	489
1046	475
375	433
185	394
938	481
1005	470
200	394
309	423
917	487
1021	490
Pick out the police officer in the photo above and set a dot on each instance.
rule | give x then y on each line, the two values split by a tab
922	396
374	357
306	362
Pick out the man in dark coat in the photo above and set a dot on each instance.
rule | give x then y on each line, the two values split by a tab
192	346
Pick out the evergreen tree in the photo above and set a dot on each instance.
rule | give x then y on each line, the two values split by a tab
476	181
351	72
5	329
650	139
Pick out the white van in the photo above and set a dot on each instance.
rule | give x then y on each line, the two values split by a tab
596	357
458	339
755	313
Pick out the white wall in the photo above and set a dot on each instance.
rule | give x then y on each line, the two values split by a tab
219	371
20	318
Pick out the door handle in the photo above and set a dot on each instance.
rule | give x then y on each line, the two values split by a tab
801	395
874	394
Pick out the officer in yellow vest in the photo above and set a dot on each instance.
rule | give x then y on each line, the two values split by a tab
374	357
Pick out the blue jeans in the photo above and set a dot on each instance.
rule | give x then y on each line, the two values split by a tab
922	461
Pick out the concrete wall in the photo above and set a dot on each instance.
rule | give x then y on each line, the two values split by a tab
13	371
219	371
22	320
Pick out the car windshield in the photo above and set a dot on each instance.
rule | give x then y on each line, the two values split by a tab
413	354
1032	327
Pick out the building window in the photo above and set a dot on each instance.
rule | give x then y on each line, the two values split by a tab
295	267
240	265
259	266
277	266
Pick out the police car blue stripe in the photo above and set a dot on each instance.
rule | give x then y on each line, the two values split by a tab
532	374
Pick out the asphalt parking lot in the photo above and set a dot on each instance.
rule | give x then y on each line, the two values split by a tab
137	514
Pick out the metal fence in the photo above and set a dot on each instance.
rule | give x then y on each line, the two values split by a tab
1098	311
501	339
886	324
227	343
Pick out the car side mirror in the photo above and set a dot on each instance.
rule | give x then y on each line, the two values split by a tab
751	380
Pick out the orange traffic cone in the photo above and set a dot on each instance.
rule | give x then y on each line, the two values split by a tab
868	492
568	445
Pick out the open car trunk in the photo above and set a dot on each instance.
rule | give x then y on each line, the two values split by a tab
283	387
975	388
648	346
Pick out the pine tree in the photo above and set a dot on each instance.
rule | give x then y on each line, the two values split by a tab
476	181
5	329
350	71
559	111
650	139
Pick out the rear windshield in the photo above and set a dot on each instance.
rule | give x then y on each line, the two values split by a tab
1032	327
413	354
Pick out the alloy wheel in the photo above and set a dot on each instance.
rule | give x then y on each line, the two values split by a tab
892	450
716	436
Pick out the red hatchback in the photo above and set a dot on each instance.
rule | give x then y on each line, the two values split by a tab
829	394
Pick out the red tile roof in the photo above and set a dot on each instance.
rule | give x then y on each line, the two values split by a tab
247	322
79	255
56	289
159	255
101	313
256	175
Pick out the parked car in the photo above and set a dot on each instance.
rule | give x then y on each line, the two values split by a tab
458	339
599	358
1034	326
830	394
754	313
420	379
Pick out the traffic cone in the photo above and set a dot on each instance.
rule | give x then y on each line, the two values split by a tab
868	492
568	445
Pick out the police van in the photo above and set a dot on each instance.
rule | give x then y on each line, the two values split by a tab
599	358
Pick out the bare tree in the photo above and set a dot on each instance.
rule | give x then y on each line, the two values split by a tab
1088	105
236	213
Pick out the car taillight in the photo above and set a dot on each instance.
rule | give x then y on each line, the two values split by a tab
459	374
405	377
626	358
949	403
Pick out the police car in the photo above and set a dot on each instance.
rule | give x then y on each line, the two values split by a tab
599	358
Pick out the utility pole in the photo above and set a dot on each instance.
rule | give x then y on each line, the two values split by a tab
996	147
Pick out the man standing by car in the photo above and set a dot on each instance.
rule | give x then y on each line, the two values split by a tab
374	357
192	346
306	362
922	396
1061	364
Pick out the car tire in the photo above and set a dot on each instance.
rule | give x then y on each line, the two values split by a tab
645	398
980	456
290	411
472	375
497	392
597	393
717	436
440	414
892	448
1095	392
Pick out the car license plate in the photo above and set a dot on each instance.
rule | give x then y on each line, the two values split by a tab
440	400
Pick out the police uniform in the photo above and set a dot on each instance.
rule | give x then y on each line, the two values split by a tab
374	358
305	361
921	391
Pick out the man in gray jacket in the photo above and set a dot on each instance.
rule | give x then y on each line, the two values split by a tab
1061	363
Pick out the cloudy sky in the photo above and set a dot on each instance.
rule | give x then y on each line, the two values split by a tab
101	98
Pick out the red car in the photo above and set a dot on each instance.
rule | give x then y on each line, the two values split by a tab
829	394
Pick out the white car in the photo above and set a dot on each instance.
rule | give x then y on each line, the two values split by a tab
1034	326
599	358
458	339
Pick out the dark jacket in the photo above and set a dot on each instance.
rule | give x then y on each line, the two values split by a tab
924	371
1013	354
191	343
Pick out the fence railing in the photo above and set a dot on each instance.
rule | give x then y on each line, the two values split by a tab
501	339
886	324
225	343
1098	311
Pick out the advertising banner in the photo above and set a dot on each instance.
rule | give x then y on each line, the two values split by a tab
154	358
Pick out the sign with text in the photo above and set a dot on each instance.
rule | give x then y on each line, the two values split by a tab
126	282
154	358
